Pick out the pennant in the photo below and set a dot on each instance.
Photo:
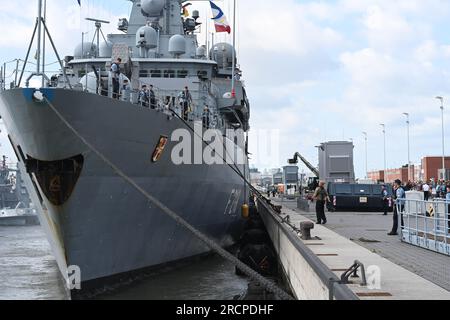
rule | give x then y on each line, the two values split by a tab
185	10
220	20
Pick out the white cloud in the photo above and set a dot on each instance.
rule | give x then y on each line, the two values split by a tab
316	70
286	28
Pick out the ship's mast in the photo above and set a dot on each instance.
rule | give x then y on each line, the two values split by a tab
40	28
43	42
233	68
39	34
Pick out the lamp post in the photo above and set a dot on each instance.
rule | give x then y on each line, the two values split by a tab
384	138
367	168
443	137
409	154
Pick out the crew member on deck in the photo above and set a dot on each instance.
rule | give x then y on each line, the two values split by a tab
185	100
125	91
152	97
205	118
115	73
144	96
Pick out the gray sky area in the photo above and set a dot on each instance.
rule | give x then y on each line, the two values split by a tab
314	70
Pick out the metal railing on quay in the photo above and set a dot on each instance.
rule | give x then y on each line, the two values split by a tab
425	224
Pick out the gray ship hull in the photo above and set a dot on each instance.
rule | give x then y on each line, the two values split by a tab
106	227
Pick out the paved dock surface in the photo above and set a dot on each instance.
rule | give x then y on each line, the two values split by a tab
369	230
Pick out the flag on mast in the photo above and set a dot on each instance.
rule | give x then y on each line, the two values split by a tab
79	3
185	9
220	20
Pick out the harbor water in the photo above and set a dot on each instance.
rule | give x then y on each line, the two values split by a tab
29	272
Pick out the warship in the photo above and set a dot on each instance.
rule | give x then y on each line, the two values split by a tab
93	218
15	203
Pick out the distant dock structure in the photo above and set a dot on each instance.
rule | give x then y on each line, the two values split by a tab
336	162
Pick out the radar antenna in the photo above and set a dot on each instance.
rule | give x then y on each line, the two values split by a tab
98	31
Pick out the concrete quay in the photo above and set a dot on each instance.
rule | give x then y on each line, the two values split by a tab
394	270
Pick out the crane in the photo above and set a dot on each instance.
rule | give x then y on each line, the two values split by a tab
306	162
313	183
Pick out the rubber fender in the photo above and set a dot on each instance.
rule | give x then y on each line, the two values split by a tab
254	223
254	236
260	258
253	211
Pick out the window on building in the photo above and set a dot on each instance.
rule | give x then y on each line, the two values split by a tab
155	73
182	74
169	74
202	75
143	73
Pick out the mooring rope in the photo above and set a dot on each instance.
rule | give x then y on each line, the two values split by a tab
266	283
233	166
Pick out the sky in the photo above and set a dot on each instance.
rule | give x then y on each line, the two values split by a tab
314	71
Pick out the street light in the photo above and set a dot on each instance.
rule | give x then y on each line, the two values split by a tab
367	169
409	154
384	137
443	137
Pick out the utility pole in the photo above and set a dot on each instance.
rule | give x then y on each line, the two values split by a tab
409	153
367	167
443	136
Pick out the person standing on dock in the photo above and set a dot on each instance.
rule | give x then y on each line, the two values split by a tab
447	200
426	191
400	197
321	196
385	195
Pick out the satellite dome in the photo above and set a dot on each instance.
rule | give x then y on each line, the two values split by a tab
89	82
106	49
222	53
201	52
152	8
85	50
177	45
146	37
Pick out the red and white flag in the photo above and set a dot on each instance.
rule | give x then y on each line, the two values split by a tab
220	20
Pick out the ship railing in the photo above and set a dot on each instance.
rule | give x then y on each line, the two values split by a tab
425	224
165	101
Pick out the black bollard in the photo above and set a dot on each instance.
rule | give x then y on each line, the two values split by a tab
305	228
